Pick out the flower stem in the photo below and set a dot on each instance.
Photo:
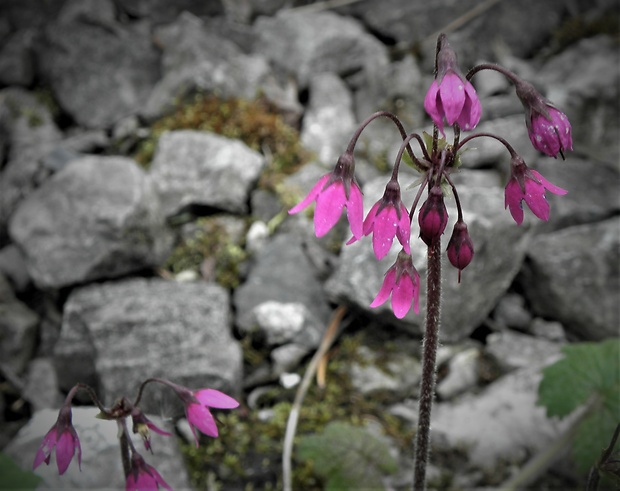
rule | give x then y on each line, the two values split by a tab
429	357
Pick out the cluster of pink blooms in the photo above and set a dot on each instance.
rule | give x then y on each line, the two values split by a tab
62	439
450	99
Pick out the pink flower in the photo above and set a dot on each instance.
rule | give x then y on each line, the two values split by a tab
143	477
451	96
142	425
460	247
402	281
527	184
334	192
388	218
433	216
548	128
63	438
197	404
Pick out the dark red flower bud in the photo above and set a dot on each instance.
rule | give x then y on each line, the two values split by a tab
433	216
460	247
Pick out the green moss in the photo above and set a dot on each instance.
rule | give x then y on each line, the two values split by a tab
210	241
257	123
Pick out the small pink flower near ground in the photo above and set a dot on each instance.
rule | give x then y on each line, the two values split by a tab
402	282
61	438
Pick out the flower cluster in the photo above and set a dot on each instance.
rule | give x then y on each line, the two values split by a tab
139	476
451	99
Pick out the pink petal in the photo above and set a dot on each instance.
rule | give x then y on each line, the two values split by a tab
452	93
329	205
355	211
65	449
159	480
215	398
386	289
311	196
512	200
403	232
402	296
430	103
535	199
548	186
157	430
200	417
384	231
472	110
370	218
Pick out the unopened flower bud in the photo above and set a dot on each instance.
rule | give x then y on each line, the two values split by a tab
433	216
460	247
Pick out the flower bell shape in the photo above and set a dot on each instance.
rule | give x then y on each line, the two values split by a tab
142	425
143	477
528	185
334	192
63	439
460	247
433	216
388	218
548	128
451	96
197	404
402	281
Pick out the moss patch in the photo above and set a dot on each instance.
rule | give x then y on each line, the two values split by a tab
257	123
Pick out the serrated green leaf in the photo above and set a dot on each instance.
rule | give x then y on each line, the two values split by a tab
587	370
593	435
347	456
13	477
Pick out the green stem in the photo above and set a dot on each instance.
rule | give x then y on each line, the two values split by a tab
429	357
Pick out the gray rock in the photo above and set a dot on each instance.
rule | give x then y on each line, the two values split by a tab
41	389
512	312
97	218
499	244
118	334
201	168
573	277
196	58
290	41
551	330
31	134
101	12
282	275
18	329
287	357
101	461
592	191
162	11
512	350
400	375
328	123
99	73
503	423
462	373
16	60
282	322
13	267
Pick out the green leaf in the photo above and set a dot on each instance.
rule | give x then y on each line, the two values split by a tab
587	369
593	434
347	457
13	477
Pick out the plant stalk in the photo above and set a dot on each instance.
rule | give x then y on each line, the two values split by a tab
429	357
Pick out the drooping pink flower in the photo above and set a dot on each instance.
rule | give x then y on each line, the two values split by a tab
433	216
548	127
334	192
142	425
402	282
451	95
386	219
63	439
460	247
197	404
144	477
528	185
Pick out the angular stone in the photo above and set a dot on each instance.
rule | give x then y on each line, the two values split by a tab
573	277
101	460
513	350
117	334
99	73
97	218
205	169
